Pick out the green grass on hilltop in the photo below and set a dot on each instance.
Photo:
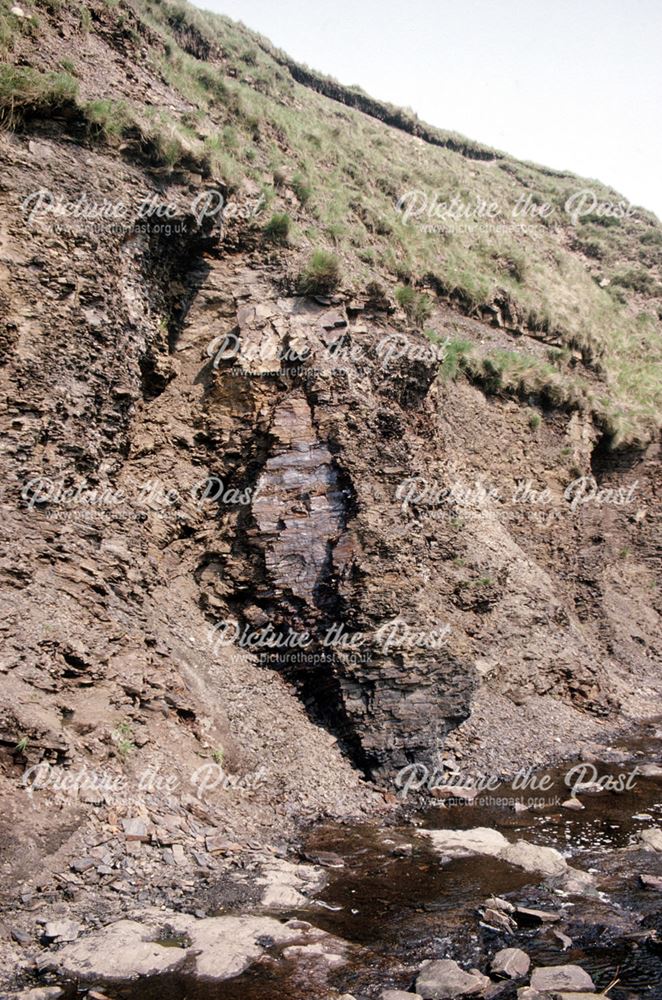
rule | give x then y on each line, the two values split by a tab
592	283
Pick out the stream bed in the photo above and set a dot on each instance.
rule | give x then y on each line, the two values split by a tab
398	901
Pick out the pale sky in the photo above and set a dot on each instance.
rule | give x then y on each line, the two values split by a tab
571	84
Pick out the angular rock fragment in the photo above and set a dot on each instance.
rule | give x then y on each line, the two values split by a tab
511	962
444	980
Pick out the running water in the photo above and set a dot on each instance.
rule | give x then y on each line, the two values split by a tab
400	902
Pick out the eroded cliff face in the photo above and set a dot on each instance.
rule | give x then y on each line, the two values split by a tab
143	366
297	392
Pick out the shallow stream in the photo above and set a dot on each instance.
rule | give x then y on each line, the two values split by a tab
400	902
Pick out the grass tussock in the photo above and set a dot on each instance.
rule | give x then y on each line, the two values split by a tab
417	305
321	275
278	227
25	91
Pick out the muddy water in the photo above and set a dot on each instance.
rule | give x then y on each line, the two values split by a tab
399	903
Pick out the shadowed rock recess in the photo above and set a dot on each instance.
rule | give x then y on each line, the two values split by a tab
225	537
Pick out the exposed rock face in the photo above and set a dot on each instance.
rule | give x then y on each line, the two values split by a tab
311	539
299	511
141	367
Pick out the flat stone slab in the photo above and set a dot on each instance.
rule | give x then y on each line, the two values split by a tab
461	843
217	947
38	993
445	980
483	840
561	978
62	930
537	916
123	950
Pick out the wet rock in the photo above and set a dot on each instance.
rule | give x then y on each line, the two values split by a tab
482	840
330	951
327	859
288	886
123	950
575	881
402	851
588	788
62	930
445	980
511	962
461	843
653	882
533	858
650	770
497	903
228	945
563	938
572	803
559	978
217	948
467	794
651	839
526	915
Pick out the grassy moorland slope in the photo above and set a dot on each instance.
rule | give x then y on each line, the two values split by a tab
575	267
